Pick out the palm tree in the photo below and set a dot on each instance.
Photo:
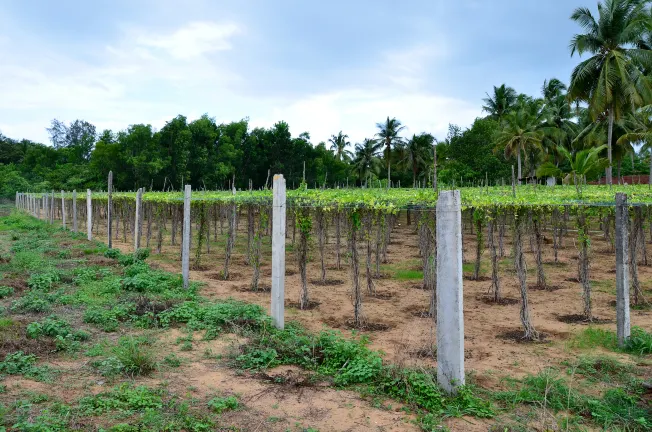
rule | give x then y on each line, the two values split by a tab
366	162
501	102
611	81
585	163
339	145
520	132
418	154
558	127
388	135
638	128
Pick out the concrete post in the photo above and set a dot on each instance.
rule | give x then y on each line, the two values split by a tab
185	243
39	201
109	211
17	197
622	269
74	211
450	312
89	215
52	207
63	210
278	252
139	204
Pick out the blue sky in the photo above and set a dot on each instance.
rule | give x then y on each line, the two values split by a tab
320	66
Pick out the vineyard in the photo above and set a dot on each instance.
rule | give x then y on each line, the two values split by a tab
539	262
361	224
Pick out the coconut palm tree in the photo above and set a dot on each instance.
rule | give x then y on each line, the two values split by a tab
388	134
639	130
501	102
521	130
558	126
339	144
366	162
417	154
612	81
585	163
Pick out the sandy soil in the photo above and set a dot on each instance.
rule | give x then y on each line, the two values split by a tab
489	357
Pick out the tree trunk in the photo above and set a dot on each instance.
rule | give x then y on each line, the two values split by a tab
368	223
305	227
541	276
495	281
501	234
518	158
479	217
519	265
585	279
355	269
389	149
609	138
649	179
321	240
230	241
633	258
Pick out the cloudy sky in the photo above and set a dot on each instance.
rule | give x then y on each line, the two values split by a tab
320	66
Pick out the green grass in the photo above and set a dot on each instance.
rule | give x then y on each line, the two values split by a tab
408	275
616	409
639	343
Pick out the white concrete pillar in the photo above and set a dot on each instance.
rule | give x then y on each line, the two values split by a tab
185	243
622	269
89	215
63	210
109	210
450	312
74	211
139	205
278	252
52	207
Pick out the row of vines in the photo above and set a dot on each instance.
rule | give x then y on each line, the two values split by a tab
358	226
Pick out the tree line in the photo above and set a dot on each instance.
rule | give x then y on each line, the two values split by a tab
574	132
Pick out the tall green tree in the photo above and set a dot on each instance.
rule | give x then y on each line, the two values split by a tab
639	131
418	154
366	162
500	102
611	81
521	130
388	134
339	144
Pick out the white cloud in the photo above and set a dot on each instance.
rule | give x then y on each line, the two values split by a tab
192	40
141	78
149	77
356	112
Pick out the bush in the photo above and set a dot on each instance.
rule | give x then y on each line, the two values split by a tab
43	281
220	404
136	358
112	253
108	319
6	291
67	339
124	398
35	301
18	363
639	342
141	254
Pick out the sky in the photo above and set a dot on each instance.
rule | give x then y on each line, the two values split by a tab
320	66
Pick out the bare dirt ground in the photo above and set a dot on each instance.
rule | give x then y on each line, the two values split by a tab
489	356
